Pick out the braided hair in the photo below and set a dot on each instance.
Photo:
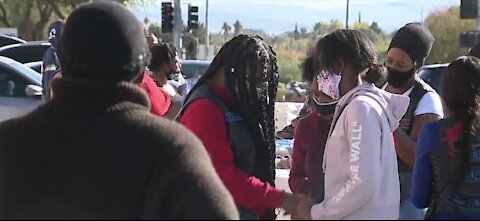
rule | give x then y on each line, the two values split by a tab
242	58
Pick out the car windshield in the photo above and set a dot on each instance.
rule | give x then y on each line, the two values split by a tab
28	72
433	77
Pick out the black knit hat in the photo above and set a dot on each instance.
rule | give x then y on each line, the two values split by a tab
103	41
416	40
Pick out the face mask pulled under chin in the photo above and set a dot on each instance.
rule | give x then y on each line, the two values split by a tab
325	109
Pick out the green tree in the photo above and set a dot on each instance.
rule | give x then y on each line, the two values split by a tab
374	27
289	66
37	14
237	27
266	37
200	33
446	27
320	28
146	21
361	25
303	32
155	28
334	25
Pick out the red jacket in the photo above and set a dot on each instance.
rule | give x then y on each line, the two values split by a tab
308	147
207	121
159	99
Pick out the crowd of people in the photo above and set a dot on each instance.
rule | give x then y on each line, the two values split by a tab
116	140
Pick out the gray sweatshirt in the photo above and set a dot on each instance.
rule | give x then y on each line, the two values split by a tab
360	162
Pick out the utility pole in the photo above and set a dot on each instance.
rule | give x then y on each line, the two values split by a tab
348	8
207	40
177	27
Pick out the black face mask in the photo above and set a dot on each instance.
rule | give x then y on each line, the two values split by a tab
325	109
397	79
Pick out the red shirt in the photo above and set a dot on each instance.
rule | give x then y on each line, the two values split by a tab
207	121
159	99
311	136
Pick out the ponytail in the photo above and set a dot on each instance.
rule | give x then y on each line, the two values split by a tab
376	74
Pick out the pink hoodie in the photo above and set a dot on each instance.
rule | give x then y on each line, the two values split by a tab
360	162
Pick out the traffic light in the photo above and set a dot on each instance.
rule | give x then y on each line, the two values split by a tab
468	9
469	38
192	17
167	17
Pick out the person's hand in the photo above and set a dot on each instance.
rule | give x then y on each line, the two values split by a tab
299	197
303	210
289	203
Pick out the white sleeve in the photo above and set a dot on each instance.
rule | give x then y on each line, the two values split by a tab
430	103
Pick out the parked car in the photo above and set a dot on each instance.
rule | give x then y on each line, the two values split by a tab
20	89
432	74
194	68
26	52
9	40
190	68
36	66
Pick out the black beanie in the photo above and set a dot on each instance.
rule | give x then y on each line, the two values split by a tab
416	40
103	41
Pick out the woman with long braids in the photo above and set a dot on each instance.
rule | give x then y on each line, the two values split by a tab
447	167
231	110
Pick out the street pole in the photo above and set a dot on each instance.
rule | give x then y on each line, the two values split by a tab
207	40
423	21
478	15
348	6
177	27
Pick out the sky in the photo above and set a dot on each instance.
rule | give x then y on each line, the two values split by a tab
279	16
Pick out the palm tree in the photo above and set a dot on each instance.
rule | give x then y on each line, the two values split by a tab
238	28
226	30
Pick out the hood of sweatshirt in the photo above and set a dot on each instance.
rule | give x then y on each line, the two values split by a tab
393	105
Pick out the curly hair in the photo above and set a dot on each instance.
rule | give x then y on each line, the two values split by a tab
461	95
356	48
162	54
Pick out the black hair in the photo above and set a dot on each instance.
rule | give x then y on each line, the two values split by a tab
461	95
308	69
241	58
354	47
309	65
162	53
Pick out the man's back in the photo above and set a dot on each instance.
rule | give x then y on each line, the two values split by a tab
95	151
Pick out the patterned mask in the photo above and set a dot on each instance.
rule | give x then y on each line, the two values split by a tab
328	83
